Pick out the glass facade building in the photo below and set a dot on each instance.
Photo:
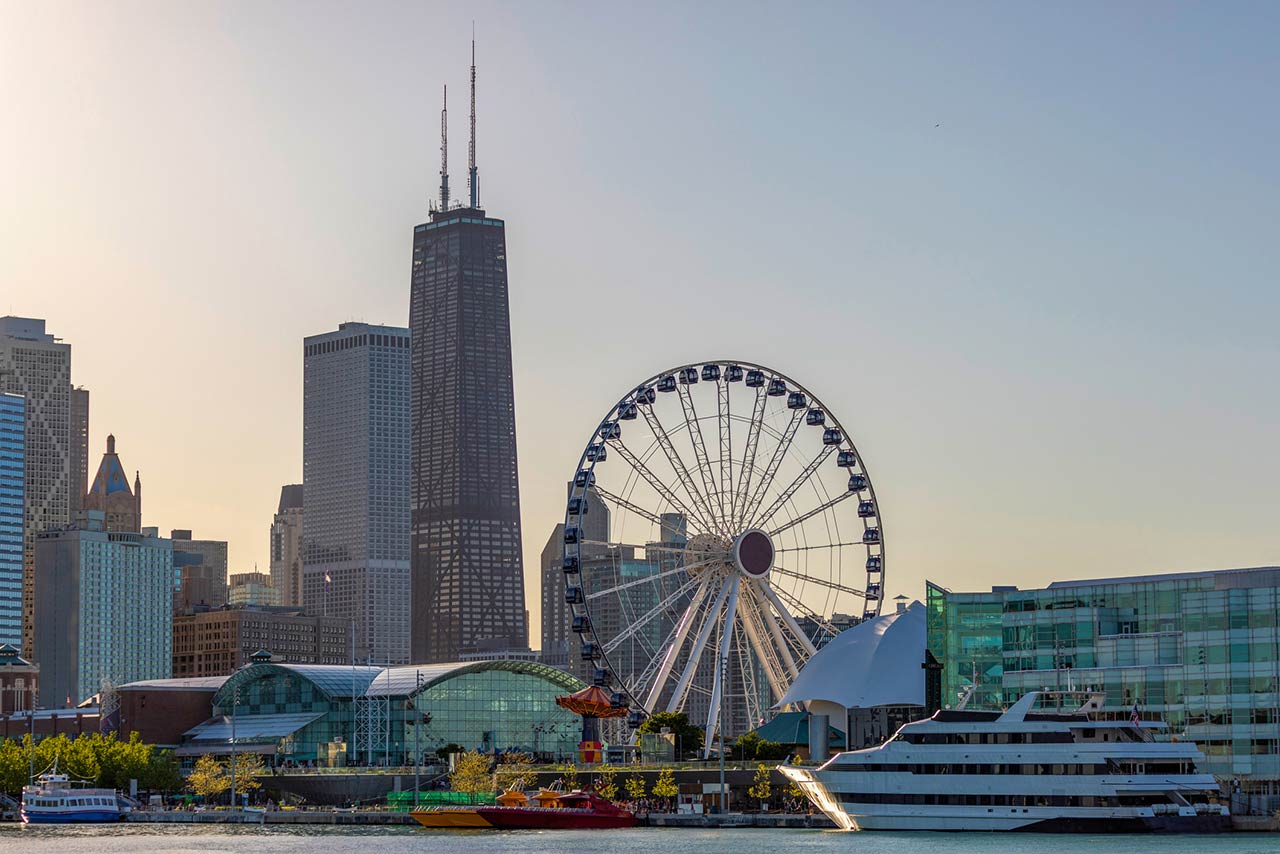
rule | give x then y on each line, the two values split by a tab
300	712
355	461
13	414
37	366
1196	650
104	609
468	572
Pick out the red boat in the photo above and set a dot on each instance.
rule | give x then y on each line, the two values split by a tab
556	811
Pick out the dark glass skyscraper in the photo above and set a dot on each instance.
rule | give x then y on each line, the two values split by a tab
468	574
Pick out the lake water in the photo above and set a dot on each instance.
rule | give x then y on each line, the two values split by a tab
198	839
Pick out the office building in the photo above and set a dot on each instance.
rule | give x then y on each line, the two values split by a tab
286	545
559	643
355	458
79	448
468	573
37	366
13	424
219	641
103	608
1197	650
202	570
252	588
110	494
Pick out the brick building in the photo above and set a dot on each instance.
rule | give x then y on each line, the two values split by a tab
217	641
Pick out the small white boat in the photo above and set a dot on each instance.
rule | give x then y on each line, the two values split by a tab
53	801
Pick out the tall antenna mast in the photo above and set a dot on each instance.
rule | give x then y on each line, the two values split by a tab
444	152
473	176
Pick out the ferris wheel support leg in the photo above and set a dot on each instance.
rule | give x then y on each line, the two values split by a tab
722	666
695	654
682	632
751	622
781	643
772	594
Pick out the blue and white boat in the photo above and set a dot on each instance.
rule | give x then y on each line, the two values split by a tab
52	800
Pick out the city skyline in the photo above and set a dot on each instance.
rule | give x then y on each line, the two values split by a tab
1101	326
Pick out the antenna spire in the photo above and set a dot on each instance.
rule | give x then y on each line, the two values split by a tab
444	152
473	178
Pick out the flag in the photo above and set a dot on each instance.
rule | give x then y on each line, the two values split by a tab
327	582
1133	718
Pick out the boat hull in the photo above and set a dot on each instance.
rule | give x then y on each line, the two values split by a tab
450	818
70	816
522	818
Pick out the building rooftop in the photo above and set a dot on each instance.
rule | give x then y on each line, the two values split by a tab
1259	576
200	683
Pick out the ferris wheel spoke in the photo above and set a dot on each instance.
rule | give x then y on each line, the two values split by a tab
849	544
648	579
771	471
695	652
657	484
771	593
747	675
677	465
674	642
743	494
699	449
722	662
648	617
724	430
787	493
804	517
820	582
653	547
619	501
821	622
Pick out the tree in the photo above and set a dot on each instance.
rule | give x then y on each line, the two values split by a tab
665	786
607	782
513	769
248	768
570	777
209	777
635	786
762	786
470	774
688	737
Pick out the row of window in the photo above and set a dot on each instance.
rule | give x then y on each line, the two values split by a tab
1007	800
1031	769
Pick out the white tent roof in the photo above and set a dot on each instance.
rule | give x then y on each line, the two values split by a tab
876	663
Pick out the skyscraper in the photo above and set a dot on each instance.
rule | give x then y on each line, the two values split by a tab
103	608
79	447
37	366
202	571
468	573
355	474
558	646
13	424
121	506
286	545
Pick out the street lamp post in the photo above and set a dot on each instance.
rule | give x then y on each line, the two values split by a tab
235	701
417	750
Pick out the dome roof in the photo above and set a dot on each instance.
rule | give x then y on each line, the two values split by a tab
876	663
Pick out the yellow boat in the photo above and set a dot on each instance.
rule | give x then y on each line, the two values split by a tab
450	817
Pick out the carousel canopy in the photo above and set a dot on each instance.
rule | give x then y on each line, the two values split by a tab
593	701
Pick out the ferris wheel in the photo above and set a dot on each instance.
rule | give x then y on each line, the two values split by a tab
720	528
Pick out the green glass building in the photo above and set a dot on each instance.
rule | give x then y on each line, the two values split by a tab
1197	650
334	714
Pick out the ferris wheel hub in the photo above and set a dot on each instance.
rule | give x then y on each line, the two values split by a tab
753	553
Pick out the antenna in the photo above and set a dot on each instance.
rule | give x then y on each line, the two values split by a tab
444	152
473	179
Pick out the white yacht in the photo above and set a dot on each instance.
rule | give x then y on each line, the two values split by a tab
1023	769
53	800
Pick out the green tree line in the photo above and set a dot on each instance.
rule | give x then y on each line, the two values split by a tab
103	760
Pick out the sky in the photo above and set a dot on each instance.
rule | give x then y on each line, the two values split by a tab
1027	253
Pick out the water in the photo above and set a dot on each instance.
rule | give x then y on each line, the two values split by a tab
200	839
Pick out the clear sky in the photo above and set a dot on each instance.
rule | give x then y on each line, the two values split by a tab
1027	253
